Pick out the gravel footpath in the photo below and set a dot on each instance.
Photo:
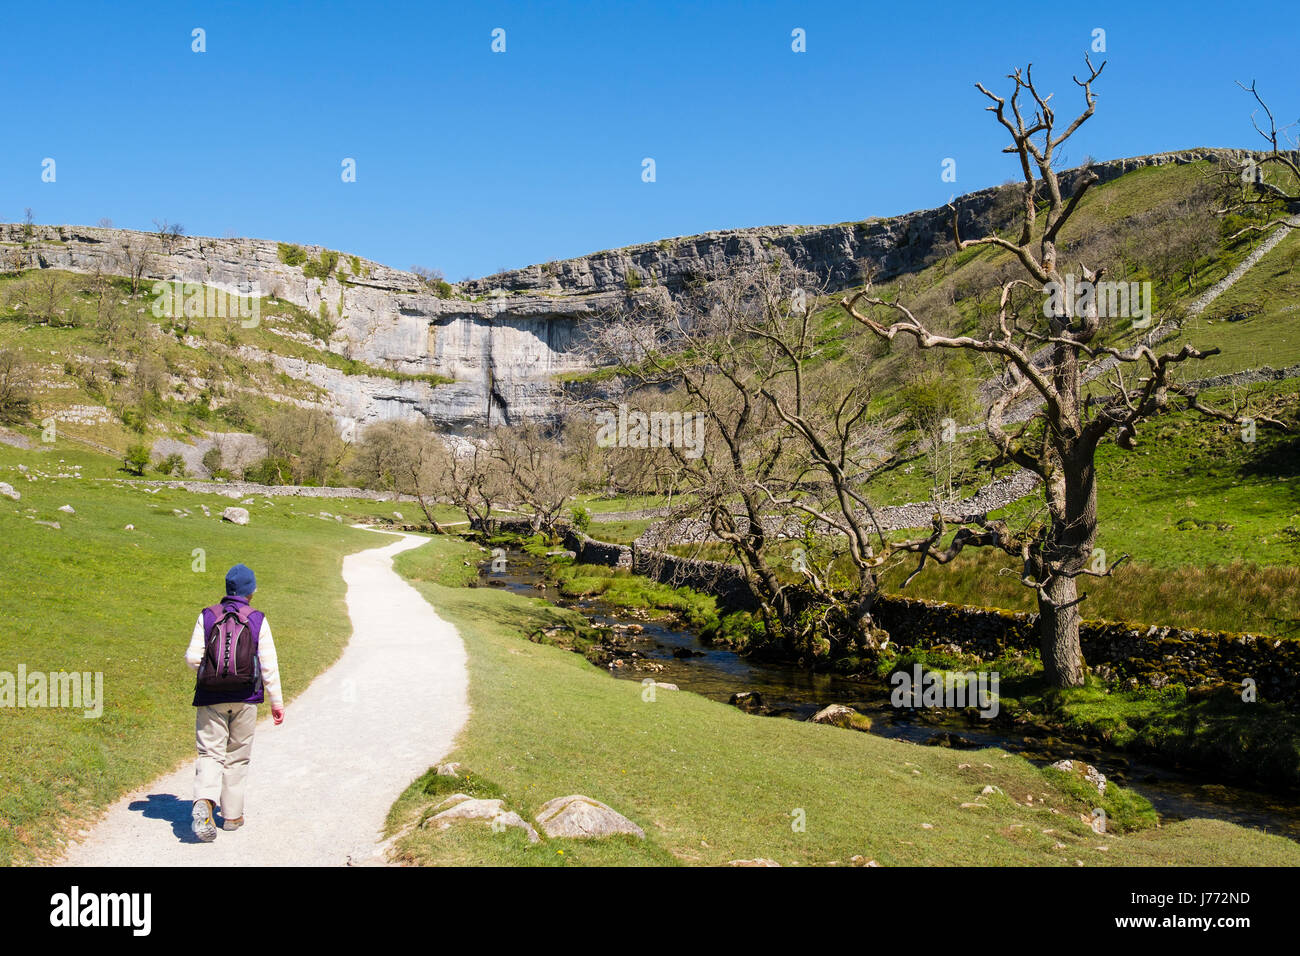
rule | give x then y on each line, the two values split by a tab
320	784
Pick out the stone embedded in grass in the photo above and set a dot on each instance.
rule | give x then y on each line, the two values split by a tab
447	769
759	861
461	808
68	509
576	816
129	527
838	715
235	515
49	524
8	491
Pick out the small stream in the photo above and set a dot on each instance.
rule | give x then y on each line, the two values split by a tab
678	656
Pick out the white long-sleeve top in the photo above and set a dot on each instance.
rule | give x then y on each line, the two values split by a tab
265	654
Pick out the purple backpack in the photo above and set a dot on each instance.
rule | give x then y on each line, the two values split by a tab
229	650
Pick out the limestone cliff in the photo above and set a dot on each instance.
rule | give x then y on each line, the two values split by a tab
504	339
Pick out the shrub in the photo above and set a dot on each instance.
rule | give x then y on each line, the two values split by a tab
581	518
212	460
322	326
270	471
136	460
320	268
173	464
290	254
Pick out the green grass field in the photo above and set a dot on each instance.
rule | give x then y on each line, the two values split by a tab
710	784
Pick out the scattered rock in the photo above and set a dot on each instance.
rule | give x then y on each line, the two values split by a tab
859	860
398	516
235	515
129	527
945	738
49	524
493	812
1085	770
838	715
68	509
447	769
578	817
760	861
8	491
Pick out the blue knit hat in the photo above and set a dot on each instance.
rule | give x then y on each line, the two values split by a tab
240	580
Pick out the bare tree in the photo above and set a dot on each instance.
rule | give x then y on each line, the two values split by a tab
1271	183
15	387
694	359
474	482
1046	351
541	475
405	457
168	233
136	261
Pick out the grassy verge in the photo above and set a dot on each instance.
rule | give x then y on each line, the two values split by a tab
624	589
710	784
92	596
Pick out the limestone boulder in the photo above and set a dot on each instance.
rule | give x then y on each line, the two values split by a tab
462	808
235	515
838	715
578	817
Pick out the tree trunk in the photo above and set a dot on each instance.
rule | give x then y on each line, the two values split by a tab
1073	503
1058	624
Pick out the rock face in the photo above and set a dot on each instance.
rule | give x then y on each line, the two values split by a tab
504	339
235	515
576	816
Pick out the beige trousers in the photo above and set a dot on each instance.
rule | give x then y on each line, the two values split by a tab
224	734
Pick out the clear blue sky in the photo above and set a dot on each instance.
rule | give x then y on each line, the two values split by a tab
469	160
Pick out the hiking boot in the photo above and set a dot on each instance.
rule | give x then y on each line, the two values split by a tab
234	824
201	821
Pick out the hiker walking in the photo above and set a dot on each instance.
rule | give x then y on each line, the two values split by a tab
232	651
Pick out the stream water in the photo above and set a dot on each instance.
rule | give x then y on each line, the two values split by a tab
678	656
